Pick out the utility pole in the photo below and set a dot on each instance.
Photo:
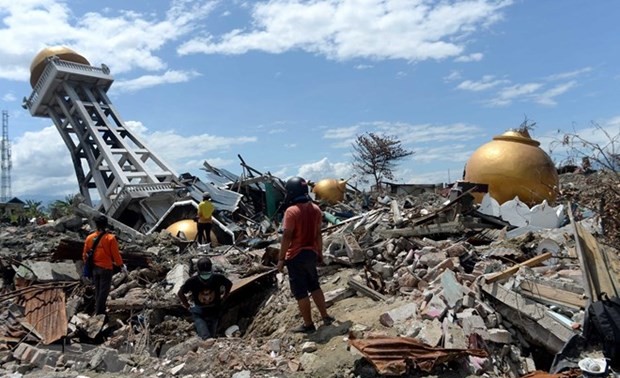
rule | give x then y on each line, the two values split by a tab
5	150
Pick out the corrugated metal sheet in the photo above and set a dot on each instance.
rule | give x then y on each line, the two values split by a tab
45	310
389	355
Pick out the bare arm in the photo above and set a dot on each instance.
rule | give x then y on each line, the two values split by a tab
183	299
319	243
285	243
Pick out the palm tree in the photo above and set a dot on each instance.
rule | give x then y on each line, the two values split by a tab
33	209
61	208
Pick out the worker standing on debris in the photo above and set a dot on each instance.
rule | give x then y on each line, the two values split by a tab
301	249
204	217
209	290
105	257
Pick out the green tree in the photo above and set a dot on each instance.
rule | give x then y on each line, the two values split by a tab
33	209
377	155
61	208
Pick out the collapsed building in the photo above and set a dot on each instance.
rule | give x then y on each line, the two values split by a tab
492	279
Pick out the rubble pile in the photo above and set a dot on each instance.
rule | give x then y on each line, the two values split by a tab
417	283
600	192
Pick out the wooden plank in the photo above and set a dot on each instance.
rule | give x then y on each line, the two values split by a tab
582	258
7	339
334	296
512	270
539	290
600	272
396	215
360	287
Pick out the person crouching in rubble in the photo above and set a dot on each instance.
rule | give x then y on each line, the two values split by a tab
204	218
209	290
105	258
301	249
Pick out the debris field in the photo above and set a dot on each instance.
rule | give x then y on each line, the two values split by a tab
420	284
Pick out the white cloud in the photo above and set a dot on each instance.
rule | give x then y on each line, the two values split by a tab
412	30
363	66
447	153
178	150
42	163
325	169
487	82
149	81
548	97
414	135
124	41
9	97
341	133
475	57
569	75
452	76
276	131
509	94
411	136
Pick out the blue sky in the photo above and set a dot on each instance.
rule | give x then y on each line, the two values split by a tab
289	84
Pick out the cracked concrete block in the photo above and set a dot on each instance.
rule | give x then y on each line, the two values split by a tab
452	290
474	324
177	277
468	301
431	333
453	336
403	313
432	259
500	336
24	352
58	271
435	308
106	359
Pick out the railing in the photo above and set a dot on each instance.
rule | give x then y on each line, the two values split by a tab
148	188
55	62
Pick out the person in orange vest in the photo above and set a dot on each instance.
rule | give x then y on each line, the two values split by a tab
205	219
105	257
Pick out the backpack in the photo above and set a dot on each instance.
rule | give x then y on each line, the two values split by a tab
603	320
89	264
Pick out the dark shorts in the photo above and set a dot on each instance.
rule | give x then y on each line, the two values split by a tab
302	274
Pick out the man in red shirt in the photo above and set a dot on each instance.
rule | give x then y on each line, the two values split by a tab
106	256
301	249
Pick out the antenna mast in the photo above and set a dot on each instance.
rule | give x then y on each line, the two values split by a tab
5	150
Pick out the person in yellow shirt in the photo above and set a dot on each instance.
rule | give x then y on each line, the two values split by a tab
205	213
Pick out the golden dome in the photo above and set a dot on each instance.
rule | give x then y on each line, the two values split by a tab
38	63
513	165
330	190
187	226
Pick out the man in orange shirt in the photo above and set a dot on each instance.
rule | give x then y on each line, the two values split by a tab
301	249
106	256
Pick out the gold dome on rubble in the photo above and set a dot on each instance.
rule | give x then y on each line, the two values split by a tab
38	63
186	226
513	165
330	190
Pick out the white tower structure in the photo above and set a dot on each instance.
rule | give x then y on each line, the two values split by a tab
133	184
6	165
